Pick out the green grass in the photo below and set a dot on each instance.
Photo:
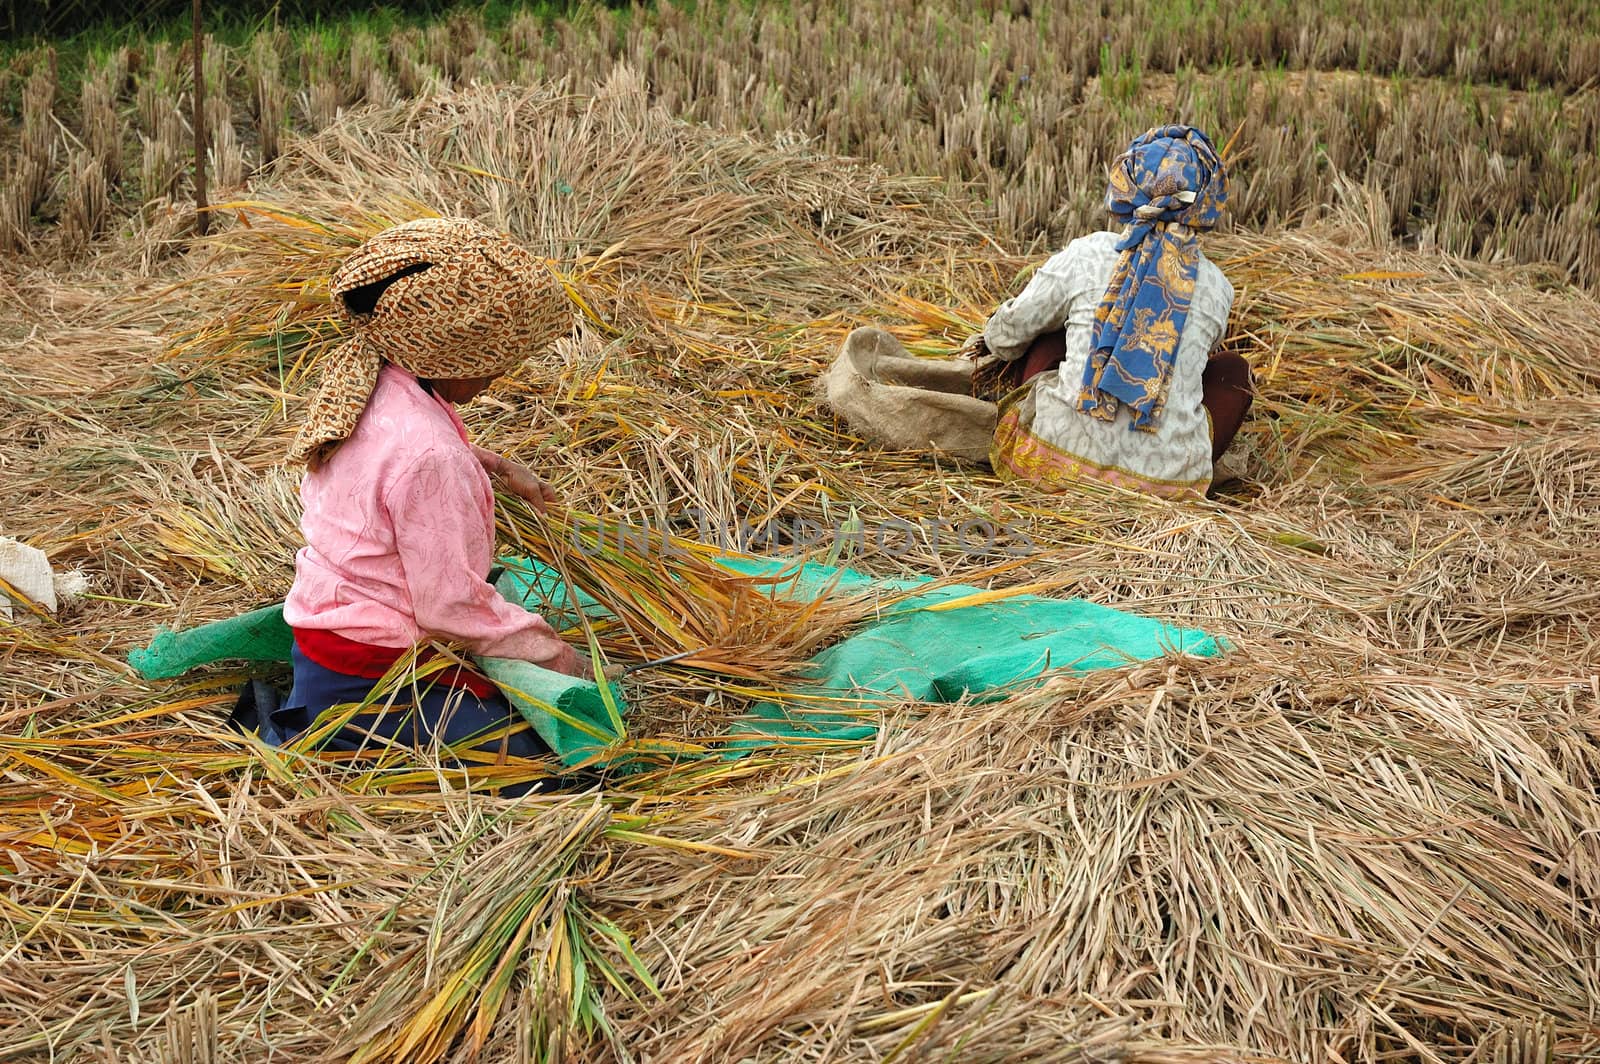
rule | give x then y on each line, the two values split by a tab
77	27
79	32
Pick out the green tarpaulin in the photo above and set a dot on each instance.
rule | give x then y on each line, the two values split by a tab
259	635
939	645
931	647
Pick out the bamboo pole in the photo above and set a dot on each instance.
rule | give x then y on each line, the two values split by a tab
202	220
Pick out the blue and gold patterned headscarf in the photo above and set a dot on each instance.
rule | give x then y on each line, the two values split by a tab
1169	183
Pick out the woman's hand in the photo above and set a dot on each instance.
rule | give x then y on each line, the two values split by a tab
570	663
518	479
581	669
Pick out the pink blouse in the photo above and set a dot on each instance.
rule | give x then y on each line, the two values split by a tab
399	528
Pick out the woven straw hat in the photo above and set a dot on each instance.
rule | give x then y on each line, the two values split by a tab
442	298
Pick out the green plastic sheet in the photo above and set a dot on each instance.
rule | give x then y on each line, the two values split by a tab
928	646
260	635
570	715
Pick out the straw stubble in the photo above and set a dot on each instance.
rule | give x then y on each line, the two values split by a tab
1368	833
1473	134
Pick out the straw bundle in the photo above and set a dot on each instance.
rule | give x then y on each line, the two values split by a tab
369	73
17	195
29	178
1368	834
267	92
440	51
161	164
225	158
86	206
38	118
101	123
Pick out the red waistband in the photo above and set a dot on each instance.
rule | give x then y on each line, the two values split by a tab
333	651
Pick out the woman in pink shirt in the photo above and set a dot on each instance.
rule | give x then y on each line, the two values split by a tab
399	511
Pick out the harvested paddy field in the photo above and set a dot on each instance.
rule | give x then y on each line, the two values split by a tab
1368	832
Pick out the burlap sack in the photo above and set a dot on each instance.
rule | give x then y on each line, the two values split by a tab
900	401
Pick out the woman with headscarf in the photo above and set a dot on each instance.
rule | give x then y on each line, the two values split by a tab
399	509
1112	338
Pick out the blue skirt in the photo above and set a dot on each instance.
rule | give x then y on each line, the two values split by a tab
431	715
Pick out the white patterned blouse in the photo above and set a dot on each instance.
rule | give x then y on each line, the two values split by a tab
1042	435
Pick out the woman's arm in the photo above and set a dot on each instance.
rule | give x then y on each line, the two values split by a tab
445	547
1210	307
1040	308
